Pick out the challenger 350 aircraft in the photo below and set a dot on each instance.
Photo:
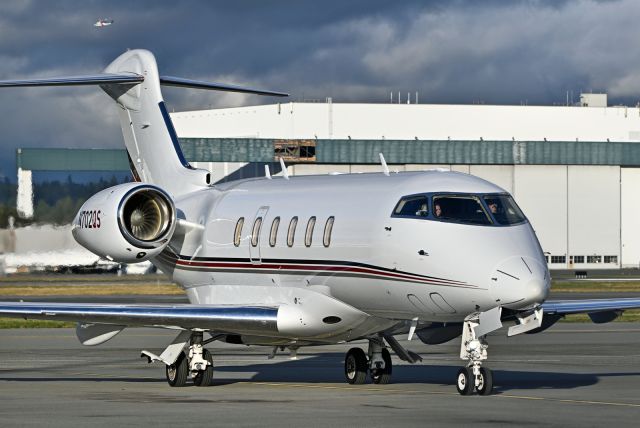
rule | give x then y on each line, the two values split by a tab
290	262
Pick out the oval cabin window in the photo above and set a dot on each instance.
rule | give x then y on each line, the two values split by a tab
328	228
255	232
308	236
292	231
238	232
273	235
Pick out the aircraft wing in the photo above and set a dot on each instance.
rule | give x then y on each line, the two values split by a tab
259	320
600	310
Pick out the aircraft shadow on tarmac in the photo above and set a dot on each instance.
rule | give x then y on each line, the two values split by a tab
310	370
326	368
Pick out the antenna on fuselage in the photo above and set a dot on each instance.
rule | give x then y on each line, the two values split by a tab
267	172
285	173
385	168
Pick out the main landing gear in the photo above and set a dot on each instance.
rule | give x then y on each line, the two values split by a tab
376	363
473	349
186	356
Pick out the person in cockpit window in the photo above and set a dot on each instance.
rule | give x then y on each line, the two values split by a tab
437	210
423	211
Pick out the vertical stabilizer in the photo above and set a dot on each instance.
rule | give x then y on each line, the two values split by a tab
132	80
149	135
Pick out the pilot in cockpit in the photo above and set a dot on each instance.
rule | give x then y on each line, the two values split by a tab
423	211
437	210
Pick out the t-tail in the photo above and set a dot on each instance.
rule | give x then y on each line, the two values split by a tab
133	81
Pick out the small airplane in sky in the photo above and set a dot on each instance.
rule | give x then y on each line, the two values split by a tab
103	22
287	262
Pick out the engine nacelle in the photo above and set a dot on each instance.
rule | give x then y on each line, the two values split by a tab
127	223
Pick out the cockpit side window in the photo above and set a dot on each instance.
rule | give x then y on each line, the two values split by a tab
465	209
504	209
412	206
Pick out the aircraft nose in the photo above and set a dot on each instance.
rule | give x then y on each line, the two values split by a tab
520	282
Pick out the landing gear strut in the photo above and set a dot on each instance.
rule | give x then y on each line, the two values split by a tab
473	349
377	363
186	356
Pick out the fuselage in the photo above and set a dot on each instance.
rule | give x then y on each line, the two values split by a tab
347	237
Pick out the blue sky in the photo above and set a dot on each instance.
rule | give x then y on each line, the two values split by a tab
498	52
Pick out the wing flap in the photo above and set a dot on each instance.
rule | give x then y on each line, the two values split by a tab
565	307
258	320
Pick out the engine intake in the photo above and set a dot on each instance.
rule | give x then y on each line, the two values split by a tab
145	216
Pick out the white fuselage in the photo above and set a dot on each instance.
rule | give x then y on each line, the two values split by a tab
388	267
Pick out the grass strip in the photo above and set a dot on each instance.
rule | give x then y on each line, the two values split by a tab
92	290
73	279
22	323
595	286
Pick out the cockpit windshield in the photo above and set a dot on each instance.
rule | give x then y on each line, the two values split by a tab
483	210
460	208
504	209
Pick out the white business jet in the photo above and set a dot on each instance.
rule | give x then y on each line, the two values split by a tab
287	261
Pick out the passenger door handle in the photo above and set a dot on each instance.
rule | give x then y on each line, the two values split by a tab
423	253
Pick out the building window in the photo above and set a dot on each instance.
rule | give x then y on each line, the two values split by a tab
238	232
558	259
328	228
578	259
274	231
255	232
546	258
611	259
594	259
308	236
292	231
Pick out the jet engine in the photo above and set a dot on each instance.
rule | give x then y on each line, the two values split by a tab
127	223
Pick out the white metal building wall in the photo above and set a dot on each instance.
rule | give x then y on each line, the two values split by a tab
402	121
630	216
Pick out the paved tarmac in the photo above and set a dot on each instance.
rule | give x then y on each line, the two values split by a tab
570	375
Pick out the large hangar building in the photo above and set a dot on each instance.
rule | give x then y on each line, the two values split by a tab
574	170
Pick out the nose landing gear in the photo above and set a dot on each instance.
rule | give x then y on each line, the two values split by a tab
474	349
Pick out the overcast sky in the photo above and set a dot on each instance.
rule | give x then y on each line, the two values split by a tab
498	52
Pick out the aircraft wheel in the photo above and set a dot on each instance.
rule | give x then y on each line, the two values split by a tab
203	377
355	366
485	382
383	376
465	382
178	371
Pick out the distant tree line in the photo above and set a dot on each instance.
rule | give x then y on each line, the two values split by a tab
55	202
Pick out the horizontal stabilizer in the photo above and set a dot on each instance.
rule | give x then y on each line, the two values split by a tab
133	78
197	84
90	79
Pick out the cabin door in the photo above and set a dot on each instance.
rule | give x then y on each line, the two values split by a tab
258	229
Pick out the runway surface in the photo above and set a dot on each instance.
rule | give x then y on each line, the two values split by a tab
571	375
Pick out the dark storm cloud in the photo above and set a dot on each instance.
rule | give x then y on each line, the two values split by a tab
458	51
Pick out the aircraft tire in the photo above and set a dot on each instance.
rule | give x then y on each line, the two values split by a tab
356	366
178	371
204	377
383	376
465	382
485	387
